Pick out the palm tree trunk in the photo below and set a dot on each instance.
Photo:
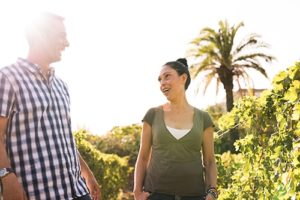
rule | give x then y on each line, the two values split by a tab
229	97
226	77
234	134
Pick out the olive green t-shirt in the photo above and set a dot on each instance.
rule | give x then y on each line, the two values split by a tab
176	164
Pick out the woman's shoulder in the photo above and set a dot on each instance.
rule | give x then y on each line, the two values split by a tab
205	117
158	107
150	114
201	112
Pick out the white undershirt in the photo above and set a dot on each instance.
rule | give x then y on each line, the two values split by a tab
178	133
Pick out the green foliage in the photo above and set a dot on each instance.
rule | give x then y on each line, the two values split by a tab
123	141
268	165
216	111
221	141
110	170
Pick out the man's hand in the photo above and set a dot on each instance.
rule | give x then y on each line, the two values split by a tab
93	186
90	180
12	189
141	195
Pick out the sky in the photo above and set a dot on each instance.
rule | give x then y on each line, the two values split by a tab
117	48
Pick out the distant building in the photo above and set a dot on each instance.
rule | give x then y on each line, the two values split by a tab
247	92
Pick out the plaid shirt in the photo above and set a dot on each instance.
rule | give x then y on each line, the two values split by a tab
39	139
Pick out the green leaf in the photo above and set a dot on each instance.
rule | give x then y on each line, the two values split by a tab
295	74
292	94
296	112
296	84
280	77
297	131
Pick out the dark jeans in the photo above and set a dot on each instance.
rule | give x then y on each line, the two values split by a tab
84	197
159	196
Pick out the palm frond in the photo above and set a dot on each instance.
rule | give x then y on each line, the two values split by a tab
205	65
236	28
218	82
244	76
254	65
238	83
251	39
208	78
208	30
267	58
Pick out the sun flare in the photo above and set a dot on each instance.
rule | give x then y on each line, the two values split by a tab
14	16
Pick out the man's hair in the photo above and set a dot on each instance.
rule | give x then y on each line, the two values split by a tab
39	26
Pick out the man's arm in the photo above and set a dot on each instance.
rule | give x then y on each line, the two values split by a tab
12	189
4	161
91	181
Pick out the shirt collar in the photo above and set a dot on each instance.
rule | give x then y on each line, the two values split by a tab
34	68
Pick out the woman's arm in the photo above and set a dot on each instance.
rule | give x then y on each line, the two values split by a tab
142	162
209	158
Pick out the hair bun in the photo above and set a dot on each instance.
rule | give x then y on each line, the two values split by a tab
182	61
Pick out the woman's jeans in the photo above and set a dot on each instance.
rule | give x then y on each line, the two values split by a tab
159	196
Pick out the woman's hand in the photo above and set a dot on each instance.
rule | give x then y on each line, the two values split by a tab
141	195
212	194
209	197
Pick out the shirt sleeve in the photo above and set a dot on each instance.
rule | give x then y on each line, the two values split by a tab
207	121
6	96
149	116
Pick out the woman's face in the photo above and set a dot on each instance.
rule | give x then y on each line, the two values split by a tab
171	84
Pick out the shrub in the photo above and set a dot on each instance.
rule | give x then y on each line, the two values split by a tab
269	161
110	170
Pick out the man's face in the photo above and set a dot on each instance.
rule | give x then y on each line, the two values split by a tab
55	41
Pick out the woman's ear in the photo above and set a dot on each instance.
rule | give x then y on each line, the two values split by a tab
183	78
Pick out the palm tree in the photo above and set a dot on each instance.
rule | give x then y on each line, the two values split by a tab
216	54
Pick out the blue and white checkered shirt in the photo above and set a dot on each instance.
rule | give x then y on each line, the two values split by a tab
39	139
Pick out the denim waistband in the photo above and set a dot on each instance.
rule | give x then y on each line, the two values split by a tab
161	196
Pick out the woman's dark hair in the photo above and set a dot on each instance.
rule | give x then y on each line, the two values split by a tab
181	67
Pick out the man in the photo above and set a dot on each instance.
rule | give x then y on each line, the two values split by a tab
38	156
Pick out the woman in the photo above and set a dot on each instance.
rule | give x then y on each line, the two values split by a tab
174	139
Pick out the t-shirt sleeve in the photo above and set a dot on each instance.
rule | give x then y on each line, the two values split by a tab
207	121
149	116
6	96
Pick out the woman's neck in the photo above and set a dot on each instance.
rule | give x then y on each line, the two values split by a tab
178	105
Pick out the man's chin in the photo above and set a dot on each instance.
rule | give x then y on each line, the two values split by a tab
56	59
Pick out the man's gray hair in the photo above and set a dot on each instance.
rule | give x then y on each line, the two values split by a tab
40	25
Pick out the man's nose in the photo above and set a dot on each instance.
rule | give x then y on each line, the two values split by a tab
67	44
